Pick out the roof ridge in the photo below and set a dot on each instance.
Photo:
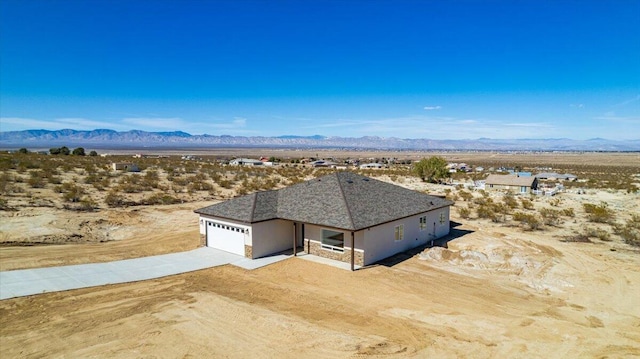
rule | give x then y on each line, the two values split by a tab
344	198
253	205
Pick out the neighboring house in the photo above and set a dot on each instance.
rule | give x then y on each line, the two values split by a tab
329	216
323	163
366	166
556	176
125	166
512	183
245	162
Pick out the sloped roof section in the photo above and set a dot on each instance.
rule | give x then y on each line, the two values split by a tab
239	208
342	200
509	180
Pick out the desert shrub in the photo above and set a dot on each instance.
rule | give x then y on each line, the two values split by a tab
37	179
555	202
199	186
550	217
70	192
151	179
510	201
85	205
598	213
464	212
466	196
526	204
160	198
493	211
568	212
114	199
530	221
599	233
630	231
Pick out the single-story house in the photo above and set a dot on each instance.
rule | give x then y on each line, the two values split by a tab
513	183
323	163
556	176
374	165
342	216
125	166
245	162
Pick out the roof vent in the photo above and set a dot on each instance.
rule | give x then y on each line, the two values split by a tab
349	181
365	179
431	202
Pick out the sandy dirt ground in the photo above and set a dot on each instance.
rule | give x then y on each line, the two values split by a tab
48	237
496	291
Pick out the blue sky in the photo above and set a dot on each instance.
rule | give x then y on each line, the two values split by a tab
456	69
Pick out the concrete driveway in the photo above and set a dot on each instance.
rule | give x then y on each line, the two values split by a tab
19	283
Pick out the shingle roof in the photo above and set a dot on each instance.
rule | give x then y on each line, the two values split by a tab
509	180
341	200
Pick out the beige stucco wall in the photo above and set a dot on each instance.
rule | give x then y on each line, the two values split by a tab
380	243
275	236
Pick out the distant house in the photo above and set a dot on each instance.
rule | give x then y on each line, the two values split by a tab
511	183
323	163
556	176
342	216
125	166
366	166
246	162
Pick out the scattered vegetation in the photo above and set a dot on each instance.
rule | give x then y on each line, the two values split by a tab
434	169
598	213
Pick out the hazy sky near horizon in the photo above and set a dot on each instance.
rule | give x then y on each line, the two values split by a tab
458	69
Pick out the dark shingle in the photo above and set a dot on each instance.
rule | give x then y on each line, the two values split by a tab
342	200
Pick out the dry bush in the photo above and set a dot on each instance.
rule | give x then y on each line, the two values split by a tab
466	196
598	213
114	199
550	217
496	212
160	198
510	201
530	221
37	179
601	234
464	212
70	191
526	203
630	231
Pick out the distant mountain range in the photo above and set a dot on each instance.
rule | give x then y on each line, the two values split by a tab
104	138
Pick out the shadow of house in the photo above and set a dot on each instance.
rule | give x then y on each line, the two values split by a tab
454	233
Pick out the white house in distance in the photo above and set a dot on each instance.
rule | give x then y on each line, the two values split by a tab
245	162
342	216
373	165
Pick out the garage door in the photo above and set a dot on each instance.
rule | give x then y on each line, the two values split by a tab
226	238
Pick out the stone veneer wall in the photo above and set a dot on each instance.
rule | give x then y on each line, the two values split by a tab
203	240
248	251
315	248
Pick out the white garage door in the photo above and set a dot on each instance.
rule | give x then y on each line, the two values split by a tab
226	238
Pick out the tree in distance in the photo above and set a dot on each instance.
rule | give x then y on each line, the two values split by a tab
433	169
78	151
93	153
64	150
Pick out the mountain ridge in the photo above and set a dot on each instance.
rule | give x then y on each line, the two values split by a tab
139	138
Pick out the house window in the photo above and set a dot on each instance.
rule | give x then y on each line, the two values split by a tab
423	223
442	219
332	240
399	232
490	186
523	189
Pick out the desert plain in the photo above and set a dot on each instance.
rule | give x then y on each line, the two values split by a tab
567	289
